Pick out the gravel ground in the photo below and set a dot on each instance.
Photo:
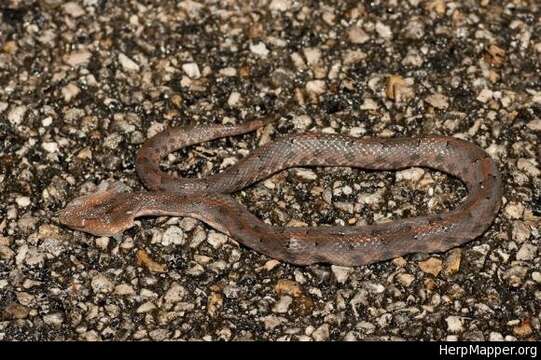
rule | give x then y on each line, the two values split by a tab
84	83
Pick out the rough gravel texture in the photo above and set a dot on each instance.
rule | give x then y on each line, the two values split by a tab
84	83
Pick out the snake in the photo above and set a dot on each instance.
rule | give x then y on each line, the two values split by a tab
114	208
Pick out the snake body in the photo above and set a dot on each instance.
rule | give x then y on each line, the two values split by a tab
113	210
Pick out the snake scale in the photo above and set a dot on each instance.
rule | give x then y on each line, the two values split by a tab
110	211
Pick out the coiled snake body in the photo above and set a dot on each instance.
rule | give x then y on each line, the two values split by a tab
113	210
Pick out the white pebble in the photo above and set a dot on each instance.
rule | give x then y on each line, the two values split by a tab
272	321
228	71
280	5
146	307
527	252
198	237
282	305
357	131
384	31
50	147
271	264
357	35
370	199
353	57
366	327
124	289
520	232
23	201
101	284
528	166
234	99
79	58
369	104
455	324
302	121
438	101
102	242
127	63
514	210
405	279
495	336
70	91
321	333
47	121
269	184
259	49
192	70
312	55
16	115
413	174
534	125
195	270
345	206
317	87
192	7
375	288
341	273
188	224
216	239
173	235
55	319
485	95
175	293
305	174
73	9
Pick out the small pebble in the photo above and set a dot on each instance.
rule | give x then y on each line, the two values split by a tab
23	201
101	284
102	242
527	252
216	239
127	63
259	49
73	9
234	99
174	235
384	31
305	174
302	122
405	279
16	114
341	273
321	333
431	266
145	307
412	174
357	35
514	210
438	101
50	147
55	319
520	232
317	87
70	91
192	70
282	305
78	58
455	324
280	5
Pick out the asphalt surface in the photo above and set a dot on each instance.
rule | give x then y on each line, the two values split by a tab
84	83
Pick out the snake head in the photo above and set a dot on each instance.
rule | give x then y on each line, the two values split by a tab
107	212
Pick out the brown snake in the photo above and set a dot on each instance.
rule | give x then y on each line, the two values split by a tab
113	210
